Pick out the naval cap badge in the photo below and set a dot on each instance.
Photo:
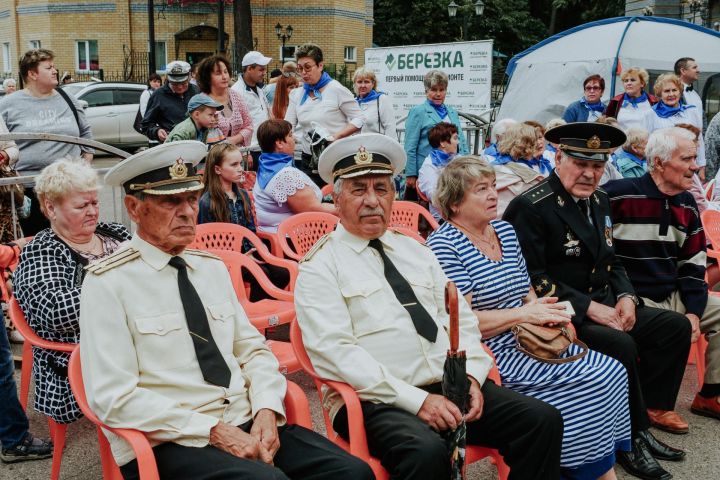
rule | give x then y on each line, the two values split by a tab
363	156
178	169
593	142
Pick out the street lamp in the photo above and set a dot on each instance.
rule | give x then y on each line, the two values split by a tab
453	11
283	36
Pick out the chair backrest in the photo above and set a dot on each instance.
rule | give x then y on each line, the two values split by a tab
235	263
711	224
224	236
407	215
303	230
710	189
18	319
327	189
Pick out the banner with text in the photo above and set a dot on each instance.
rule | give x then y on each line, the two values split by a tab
400	71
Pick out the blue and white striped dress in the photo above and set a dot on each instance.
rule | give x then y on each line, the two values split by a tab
591	393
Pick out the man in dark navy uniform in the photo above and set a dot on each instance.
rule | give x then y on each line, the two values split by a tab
565	230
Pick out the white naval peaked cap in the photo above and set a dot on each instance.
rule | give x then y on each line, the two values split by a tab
363	154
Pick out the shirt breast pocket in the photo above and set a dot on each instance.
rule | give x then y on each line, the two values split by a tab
366	304
163	342
222	325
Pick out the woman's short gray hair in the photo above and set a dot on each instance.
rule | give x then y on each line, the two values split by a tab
456	179
434	78
663	142
63	177
365	72
635	136
8	81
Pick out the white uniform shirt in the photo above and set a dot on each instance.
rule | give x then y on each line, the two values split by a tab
386	117
257	106
139	364
334	111
356	331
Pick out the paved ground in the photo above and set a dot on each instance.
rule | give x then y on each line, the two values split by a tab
81	460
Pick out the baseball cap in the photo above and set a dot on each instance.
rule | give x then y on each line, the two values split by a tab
203	100
255	58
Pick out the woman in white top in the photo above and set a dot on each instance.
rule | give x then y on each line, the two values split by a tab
376	106
322	104
444	141
633	107
281	190
154	82
671	111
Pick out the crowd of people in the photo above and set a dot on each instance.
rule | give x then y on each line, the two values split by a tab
526	233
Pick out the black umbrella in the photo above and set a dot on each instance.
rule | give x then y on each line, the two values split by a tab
455	385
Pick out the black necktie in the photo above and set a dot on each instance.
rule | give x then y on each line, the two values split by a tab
424	324
584	205
212	364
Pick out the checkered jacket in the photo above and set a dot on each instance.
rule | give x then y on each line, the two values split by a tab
47	286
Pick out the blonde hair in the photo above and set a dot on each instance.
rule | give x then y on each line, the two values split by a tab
641	73
635	136
666	78
63	177
365	72
519	141
457	178
554	122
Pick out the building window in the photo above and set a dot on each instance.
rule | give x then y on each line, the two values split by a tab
7	64
350	54
87	58
34	44
160	56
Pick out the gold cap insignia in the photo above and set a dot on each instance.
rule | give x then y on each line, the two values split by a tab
363	156
178	170
594	142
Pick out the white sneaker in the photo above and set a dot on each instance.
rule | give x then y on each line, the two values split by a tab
16	337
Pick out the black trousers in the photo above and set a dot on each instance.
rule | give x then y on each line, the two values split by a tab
37	220
303	454
654	354
305	167
527	432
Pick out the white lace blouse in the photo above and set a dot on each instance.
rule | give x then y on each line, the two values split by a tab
271	206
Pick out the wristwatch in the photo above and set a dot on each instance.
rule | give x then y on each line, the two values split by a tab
631	296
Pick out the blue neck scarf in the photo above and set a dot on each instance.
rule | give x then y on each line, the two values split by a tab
491	150
664	111
628	100
315	89
595	107
502	159
441	110
550	148
440	158
270	165
373	95
634	158
542	164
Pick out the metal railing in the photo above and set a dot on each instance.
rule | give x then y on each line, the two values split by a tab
475	129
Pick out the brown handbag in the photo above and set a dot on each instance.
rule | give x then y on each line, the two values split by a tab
547	344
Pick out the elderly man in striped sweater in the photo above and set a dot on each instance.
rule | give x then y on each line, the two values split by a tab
660	240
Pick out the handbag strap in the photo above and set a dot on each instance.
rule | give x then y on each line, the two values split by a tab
569	359
70	104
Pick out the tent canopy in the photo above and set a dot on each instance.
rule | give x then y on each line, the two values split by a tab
547	77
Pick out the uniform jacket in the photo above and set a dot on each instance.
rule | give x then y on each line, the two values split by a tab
420	120
566	256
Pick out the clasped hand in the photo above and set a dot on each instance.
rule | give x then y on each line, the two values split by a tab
622	317
442	414
260	444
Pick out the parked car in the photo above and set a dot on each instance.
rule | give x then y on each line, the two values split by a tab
110	108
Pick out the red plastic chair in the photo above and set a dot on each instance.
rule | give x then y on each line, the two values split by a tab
267	313
57	430
303	230
327	189
709	190
230	236
297	411
358	440
407	215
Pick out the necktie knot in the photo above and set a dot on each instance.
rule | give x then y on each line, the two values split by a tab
376	244
177	262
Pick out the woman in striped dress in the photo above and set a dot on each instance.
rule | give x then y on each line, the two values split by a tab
482	256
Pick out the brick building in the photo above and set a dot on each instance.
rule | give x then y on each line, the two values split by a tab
112	35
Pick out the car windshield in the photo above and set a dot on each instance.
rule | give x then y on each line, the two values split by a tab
73	89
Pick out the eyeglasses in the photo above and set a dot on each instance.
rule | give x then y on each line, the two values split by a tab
593	88
305	68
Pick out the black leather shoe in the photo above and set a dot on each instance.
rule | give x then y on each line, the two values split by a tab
660	450
640	463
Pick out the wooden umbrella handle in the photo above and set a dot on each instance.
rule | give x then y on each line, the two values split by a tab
451	307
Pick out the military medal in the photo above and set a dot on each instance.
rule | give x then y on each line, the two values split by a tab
608	231
560	202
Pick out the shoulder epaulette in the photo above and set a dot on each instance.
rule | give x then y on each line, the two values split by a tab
600	190
315	248
115	260
202	253
538	192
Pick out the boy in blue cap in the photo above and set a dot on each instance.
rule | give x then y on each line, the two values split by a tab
201	124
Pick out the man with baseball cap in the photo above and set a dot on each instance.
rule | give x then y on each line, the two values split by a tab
168	104
254	66
370	305
566	233
168	350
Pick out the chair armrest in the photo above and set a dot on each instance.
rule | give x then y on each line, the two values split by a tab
275	248
290	265
494	373
713	253
143	451
297	408
356	425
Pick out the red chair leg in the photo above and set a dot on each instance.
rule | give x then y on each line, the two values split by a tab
57	433
700	349
110	469
25	374
693	354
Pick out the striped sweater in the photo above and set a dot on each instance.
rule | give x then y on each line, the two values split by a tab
660	241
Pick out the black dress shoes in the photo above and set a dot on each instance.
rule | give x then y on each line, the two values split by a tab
660	450
640	463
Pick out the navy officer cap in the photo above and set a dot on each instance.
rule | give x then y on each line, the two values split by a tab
586	140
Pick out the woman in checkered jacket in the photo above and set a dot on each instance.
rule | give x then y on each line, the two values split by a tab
51	271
